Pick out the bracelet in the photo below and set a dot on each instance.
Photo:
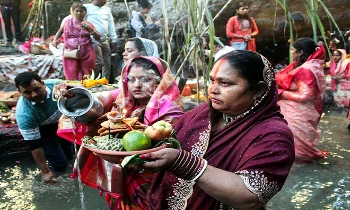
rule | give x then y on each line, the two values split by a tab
188	166
93	32
42	173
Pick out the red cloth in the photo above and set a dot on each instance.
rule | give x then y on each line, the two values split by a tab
301	90
233	27
259	144
109	177
310	72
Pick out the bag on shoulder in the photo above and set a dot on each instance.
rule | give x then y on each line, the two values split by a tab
73	54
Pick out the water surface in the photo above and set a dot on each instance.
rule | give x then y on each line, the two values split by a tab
324	184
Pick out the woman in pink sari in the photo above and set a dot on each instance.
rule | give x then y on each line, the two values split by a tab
301	86
237	149
340	83
77	32
149	92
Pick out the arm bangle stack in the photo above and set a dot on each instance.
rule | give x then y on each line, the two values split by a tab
188	166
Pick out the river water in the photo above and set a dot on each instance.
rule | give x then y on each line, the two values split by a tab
324	184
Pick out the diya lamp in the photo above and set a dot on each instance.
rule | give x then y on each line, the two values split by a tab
116	116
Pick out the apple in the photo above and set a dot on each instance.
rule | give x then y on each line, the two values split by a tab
159	130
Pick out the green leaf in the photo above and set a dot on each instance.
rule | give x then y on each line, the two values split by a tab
132	160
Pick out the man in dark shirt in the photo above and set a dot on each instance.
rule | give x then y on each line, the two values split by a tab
10	9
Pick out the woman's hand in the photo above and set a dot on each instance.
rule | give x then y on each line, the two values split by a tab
159	160
54	43
85	25
247	37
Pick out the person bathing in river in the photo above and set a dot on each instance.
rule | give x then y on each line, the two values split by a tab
37	116
301	86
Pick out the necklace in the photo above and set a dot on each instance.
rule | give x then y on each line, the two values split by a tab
228	119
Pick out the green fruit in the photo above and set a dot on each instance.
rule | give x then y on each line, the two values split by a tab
136	140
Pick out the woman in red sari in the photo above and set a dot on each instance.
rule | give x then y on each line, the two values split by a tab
237	149
149	92
301	86
77	32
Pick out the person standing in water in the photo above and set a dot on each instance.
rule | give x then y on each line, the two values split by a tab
37	117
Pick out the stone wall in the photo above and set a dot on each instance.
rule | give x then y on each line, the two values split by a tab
272	31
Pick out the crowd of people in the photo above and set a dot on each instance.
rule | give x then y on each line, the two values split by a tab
237	148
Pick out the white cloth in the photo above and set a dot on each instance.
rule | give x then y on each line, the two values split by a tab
150	46
102	19
223	51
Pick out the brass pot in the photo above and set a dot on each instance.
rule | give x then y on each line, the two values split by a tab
84	107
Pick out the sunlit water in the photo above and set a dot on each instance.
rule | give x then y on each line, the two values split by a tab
324	184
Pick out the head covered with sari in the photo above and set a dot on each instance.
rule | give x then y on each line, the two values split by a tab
150	47
165	102
338	68
308	69
145	47
257	145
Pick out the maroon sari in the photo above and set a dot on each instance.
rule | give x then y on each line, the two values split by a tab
258	147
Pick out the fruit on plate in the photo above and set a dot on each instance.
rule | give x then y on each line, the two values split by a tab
159	130
136	140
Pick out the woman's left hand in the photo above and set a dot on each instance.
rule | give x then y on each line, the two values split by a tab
159	160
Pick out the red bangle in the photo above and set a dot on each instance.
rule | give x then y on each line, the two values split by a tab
42	173
188	166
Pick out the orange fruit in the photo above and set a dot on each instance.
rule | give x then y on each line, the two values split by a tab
136	140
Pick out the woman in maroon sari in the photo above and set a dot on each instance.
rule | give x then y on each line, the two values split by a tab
237	149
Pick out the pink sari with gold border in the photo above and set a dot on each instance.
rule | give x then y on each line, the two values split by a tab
126	189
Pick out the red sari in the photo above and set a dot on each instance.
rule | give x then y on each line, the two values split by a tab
74	36
126	189
258	147
301	90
